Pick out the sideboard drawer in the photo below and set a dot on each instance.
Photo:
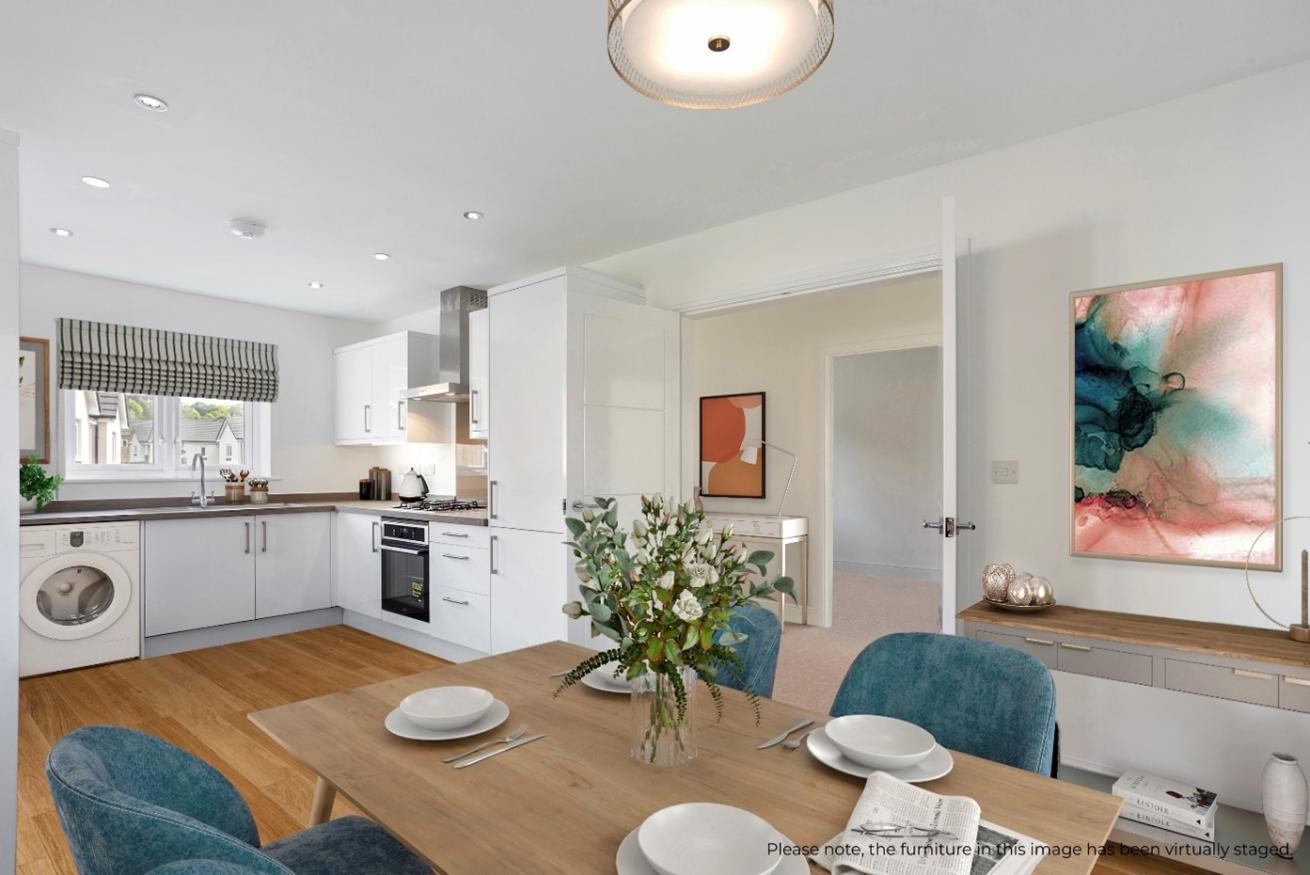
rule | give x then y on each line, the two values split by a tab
1102	662
1294	694
1042	648
1222	682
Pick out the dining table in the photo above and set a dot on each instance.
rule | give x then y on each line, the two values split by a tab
565	802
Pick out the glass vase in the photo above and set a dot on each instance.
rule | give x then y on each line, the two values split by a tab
659	738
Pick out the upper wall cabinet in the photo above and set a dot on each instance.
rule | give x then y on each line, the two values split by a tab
371	379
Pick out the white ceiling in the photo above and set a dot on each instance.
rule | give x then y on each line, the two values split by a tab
354	126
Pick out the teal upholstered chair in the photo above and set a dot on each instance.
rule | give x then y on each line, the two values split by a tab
204	867
977	697
130	803
759	652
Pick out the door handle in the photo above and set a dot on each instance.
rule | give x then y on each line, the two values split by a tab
495	554
375	537
247	538
583	505
454	556
454	534
1253	675
473	406
1081	648
368	410
491	499
948	526
400	415
446	598
264	524
938	525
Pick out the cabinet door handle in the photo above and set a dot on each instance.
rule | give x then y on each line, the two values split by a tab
1041	641
454	556
1300	682
446	598
455	534
495	554
247	537
491	499
1253	675
473	406
1081	648
400	415
375	537
264	525
368	410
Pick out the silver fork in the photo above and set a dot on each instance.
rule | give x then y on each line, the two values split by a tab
797	741
513	736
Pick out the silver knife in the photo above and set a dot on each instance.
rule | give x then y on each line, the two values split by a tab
495	753
779	739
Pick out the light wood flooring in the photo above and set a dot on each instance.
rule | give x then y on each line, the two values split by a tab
199	701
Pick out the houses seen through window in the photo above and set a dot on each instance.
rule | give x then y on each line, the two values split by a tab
214	429
111	428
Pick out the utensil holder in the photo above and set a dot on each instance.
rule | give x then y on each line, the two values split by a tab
234	493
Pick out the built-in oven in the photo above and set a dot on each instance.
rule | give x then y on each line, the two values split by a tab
405	566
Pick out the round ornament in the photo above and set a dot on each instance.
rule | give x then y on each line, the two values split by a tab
1041	591
996	579
1020	591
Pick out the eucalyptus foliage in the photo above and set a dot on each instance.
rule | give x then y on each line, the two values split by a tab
664	593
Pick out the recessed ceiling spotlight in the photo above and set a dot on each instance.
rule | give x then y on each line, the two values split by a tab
315	284
380	256
96	181
150	102
473	214
246	229
61	232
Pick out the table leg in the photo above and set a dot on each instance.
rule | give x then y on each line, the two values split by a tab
320	810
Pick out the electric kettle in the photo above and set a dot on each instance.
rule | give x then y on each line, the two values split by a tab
412	486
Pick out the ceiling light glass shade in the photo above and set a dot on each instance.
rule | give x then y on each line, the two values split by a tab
718	54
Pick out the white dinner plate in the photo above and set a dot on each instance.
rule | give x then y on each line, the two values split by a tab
631	861
603	679
937	764
398	724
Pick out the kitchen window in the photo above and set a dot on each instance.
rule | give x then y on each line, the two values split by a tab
122	436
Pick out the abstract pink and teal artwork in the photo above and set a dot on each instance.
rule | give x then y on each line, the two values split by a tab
1176	408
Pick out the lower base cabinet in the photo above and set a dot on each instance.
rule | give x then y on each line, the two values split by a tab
293	563
530	574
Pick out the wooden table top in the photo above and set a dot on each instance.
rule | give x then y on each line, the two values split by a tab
1218	639
564	803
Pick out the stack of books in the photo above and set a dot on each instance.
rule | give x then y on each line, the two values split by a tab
1167	804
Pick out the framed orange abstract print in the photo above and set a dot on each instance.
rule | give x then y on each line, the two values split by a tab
731	445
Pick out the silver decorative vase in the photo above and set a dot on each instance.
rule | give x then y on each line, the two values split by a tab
1283	797
659	738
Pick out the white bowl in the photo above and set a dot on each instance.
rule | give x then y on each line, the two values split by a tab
880	742
702	838
446	707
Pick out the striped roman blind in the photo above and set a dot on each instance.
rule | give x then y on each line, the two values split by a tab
100	357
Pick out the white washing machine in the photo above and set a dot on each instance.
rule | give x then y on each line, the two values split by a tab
80	596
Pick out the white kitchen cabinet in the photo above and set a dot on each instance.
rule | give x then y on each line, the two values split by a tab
479	344
198	572
462	618
358	564
526	488
293	563
530	574
371	380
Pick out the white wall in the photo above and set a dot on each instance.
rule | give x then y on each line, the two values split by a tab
887	461
305	458
780	348
9	332
1215	180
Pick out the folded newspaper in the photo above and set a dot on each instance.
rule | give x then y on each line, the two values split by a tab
899	829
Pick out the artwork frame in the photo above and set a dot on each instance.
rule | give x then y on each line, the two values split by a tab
1269	315
34	405
707	405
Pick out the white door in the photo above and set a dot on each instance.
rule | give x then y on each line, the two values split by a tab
293	565
527	398
623	416
198	573
949	525
390	379
529	571
479	369
353	384
357	572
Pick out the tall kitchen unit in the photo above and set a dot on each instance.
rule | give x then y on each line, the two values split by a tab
583	402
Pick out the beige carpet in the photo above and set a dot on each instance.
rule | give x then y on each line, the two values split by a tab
813	660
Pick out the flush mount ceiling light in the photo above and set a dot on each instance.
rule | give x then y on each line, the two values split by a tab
315	284
96	181
718	54
473	215
380	256
150	102
61	232
246	229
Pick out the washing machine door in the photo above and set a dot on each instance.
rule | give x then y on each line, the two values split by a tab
75	595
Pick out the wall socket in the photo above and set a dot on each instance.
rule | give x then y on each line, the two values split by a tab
1005	472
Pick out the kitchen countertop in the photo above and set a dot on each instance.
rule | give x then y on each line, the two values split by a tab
179	512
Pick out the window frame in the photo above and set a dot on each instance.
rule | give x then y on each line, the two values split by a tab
168	465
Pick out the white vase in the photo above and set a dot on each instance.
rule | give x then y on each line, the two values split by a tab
26	505
1283	795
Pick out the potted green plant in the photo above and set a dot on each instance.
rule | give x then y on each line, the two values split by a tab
664	594
36	487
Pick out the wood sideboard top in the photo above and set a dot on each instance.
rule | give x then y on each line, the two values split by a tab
1220	639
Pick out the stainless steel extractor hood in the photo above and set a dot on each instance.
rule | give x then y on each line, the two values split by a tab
451	382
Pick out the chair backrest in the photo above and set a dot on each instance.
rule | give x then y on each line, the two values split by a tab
759	652
973	696
130	802
204	867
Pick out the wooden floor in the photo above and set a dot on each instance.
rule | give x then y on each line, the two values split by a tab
198	701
